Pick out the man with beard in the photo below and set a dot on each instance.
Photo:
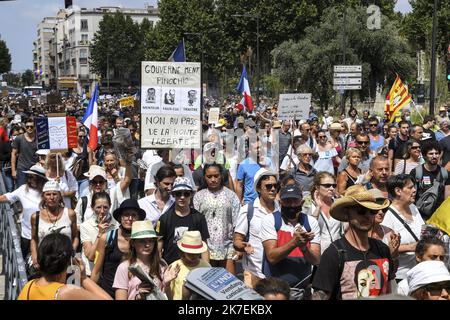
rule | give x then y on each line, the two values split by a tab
291	240
379	172
355	265
426	174
156	204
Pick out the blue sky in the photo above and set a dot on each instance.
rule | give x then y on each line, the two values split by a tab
19	20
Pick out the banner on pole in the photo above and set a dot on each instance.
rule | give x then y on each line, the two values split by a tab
170	105
126	102
213	115
294	106
57	133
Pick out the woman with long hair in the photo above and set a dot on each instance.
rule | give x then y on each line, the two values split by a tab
30	196
411	158
220	206
54	257
114	172
144	253
53	217
349	175
327	153
324	193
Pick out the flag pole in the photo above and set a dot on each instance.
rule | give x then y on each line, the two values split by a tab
415	107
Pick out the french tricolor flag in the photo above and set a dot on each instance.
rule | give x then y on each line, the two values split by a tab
90	120
244	88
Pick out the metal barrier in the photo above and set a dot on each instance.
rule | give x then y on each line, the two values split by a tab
13	263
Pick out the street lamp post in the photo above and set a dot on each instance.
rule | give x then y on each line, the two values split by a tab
254	16
433	59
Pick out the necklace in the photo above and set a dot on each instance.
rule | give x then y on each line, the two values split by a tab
56	218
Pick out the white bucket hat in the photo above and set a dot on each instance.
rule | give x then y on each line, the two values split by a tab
427	272
191	242
51	185
95	171
262	172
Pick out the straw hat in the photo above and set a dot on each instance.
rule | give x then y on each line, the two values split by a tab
191	242
276	124
354	196
335	126
37	170
143	230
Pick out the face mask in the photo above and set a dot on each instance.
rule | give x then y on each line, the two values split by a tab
290	212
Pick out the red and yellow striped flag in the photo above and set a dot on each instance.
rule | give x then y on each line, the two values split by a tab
396	99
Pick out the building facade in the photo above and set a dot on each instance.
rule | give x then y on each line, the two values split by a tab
68	45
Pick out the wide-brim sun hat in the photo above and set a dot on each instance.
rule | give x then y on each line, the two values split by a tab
262	172
129	204
335	126
95	171
143	230
191	242
276	124
427	272
37	171
43	152
354	196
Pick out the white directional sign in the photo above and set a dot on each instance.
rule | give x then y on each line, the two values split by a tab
347	87
346	81
347	77
347	68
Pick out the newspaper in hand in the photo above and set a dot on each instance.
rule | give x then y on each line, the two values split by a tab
156	293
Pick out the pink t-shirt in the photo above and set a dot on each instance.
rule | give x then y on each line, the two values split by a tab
122	281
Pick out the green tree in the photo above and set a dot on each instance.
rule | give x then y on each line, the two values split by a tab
307	65
12	79
119	44
5	58
27	78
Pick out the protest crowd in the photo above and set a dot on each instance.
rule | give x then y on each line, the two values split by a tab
325	207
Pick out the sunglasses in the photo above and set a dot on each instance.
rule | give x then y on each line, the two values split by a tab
271	186
362	211
435	289
29	127
185	194
322	137
373	125
97	182
328	185
362	142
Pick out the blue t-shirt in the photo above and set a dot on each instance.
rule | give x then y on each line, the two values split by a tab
246	172
375	145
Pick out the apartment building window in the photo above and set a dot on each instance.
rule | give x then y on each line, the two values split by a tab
84	24
84	39
83	56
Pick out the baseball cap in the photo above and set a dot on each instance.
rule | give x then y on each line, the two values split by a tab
291	191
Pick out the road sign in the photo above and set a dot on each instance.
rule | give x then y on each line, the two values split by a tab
347	75
347	87
348	68
346	81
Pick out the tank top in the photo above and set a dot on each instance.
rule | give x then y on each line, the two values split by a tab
63	224
33	291
351	180
113	257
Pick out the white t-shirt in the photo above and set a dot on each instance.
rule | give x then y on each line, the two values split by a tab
407	260
30	199
149	205
403	287
89	232
334	231
253	262
289	164
68	183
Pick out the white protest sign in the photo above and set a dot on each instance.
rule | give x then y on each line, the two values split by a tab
213	116
294	106
170	105
57	133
